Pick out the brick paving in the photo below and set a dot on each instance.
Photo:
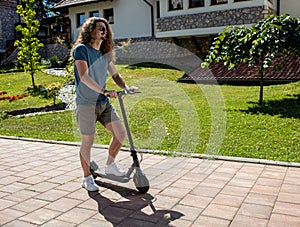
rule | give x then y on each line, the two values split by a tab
41	186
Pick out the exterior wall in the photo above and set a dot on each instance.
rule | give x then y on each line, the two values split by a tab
291	7
51	50
196	45
134	20
191	28
8	17
165	12
130	20
210	19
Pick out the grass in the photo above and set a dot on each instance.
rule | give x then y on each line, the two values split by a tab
20	83
218	120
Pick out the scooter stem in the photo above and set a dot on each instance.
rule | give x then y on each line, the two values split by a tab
120	94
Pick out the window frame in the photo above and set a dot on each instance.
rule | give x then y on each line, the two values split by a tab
105	12
78	19
196	6
216	2
242	0
175	9
92	13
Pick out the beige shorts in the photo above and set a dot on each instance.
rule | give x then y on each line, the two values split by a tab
87	116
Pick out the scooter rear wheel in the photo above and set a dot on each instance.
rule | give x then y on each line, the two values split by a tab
93	173
143	190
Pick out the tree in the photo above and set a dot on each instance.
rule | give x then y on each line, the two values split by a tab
53	90
259	45
28	45
43	7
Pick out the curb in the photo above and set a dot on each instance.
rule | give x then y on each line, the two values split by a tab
168	153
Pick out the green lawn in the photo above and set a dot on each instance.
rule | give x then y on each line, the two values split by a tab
18	83
211	119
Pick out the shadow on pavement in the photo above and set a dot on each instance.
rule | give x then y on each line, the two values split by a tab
129	211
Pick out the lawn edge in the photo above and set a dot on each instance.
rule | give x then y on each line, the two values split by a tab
168	153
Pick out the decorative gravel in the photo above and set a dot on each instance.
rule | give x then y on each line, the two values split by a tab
67	93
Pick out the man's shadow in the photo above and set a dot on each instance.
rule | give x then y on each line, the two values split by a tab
129	212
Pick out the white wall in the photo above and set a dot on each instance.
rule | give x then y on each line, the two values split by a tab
291	7
130	20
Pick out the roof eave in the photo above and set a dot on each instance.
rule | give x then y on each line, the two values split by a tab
58	7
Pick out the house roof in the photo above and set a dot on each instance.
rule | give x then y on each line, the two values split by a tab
243	74
71	3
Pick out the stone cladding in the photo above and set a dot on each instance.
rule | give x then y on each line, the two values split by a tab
8	18
212	19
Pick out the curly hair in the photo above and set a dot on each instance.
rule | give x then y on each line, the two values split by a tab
107	46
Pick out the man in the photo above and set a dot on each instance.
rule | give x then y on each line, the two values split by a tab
93	55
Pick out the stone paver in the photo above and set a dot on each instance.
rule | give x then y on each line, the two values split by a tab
40	186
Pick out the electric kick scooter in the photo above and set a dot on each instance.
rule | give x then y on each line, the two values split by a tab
139	178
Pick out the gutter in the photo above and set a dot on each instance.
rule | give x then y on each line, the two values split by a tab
152	17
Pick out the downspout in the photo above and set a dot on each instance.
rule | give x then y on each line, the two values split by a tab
278	7
152	17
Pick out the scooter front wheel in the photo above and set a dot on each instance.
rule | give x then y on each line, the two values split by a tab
141	183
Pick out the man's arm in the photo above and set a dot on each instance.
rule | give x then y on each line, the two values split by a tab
118	79
83	71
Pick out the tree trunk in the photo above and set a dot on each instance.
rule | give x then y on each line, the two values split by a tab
261	80
32	79
261	83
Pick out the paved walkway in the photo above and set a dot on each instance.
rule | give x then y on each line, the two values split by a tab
40	186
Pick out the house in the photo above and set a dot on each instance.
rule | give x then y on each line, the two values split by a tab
172	18
188	23
51	29
191	24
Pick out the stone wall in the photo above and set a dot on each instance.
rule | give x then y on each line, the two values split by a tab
163	50
46	52
8	18
212	19
51	50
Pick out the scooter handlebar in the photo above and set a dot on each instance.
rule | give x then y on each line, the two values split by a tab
127	91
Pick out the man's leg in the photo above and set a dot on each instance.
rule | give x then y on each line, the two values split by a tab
119	133
85	153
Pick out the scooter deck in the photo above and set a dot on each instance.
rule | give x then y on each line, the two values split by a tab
101	173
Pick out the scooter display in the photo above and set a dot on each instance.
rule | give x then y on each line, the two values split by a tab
139	178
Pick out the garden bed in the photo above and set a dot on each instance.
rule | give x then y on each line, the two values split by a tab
56	107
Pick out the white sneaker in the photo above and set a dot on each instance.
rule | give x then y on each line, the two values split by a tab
114	169
89	184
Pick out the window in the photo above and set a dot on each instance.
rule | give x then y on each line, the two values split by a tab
216	2
175	4
241	0
80	19
94	13
196	3
108	14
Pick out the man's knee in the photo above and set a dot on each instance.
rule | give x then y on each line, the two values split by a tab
87	141
122	134
118	130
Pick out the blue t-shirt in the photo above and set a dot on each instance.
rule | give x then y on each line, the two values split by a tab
97	65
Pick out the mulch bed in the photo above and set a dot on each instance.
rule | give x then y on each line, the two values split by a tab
245	75
55	107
